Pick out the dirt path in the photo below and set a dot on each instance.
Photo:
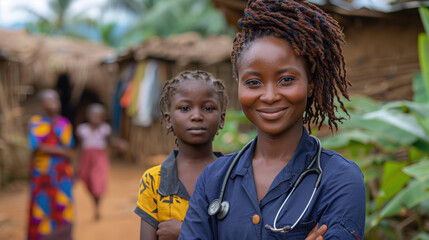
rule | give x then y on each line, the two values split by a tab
117	218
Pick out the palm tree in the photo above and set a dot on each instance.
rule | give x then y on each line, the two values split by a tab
168	17
46	24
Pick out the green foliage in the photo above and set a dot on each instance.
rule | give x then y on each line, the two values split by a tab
374	137
152	18
423	46
233	136
169	17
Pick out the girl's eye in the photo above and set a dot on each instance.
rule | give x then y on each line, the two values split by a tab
253	83
185	108
208	109
286	80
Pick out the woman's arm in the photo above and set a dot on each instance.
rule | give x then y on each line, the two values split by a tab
344	197
55	150
147	232
197	223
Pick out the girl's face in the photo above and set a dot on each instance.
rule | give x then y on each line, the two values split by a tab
195	113
96	117
273	85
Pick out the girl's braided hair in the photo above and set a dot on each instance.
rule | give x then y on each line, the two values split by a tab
170	88
312	34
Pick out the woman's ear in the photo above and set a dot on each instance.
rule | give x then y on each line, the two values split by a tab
167	119
222	120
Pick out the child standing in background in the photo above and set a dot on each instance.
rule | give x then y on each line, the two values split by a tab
94	164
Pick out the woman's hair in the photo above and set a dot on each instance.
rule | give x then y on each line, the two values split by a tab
170	87
312	34
47	93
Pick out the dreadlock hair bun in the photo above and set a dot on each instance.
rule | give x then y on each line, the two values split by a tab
170	87
312	34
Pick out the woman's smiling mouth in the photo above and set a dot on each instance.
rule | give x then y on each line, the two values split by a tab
271	113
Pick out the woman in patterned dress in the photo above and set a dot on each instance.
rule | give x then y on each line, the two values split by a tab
50	139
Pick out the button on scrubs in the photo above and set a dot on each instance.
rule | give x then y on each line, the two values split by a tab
339	202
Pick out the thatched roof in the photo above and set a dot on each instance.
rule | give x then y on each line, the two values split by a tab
183	49
45	57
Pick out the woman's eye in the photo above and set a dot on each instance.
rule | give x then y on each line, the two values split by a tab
286	80
185	108
253	82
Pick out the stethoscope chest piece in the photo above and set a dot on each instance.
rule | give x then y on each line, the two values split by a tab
219	209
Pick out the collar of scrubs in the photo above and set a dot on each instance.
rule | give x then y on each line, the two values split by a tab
306	149
170	183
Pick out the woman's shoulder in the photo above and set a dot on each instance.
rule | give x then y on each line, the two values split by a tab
219	167
36	118
337	164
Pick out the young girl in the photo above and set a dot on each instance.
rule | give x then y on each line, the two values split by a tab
290	69
193	106
94	164
51	202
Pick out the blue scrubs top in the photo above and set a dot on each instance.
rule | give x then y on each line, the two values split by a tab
339	202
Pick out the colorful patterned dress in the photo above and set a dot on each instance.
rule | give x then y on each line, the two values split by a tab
50	179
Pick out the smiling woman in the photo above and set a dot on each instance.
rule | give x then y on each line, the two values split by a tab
290	70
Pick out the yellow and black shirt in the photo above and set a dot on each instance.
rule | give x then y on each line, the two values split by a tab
162	195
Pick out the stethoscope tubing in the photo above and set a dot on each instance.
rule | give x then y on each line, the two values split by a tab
318	170
234	162
218	203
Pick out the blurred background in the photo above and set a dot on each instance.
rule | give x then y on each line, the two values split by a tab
98	52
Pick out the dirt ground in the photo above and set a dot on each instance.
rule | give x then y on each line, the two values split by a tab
118	220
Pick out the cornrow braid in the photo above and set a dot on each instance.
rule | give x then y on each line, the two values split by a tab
170	87
312	34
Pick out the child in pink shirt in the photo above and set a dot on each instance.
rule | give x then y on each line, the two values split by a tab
94	163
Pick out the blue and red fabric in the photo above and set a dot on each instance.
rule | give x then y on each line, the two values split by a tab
50	177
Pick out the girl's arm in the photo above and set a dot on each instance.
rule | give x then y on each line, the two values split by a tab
169	229
147	232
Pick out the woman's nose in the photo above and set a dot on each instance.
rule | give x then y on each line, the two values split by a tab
270	94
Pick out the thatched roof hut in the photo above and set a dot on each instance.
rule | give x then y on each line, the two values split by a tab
174	54
29	63
44	59
381	50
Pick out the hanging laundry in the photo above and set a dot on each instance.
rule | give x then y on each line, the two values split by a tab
149	95
138	78
130	91
122	83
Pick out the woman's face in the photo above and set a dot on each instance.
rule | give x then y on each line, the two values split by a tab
273	85
51	104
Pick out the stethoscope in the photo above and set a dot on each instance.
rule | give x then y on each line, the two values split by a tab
221	208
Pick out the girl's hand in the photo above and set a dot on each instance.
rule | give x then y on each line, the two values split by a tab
169	229
317	233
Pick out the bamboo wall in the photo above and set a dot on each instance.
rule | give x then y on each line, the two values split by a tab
381	55
13	142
